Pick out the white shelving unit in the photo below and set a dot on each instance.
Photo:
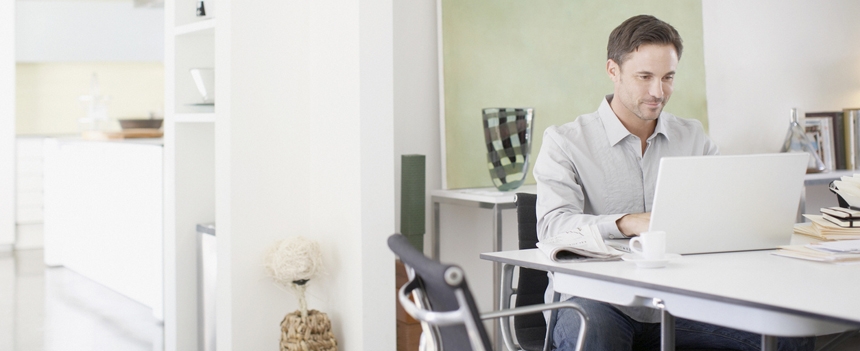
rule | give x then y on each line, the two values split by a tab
301	118
189	165
193	27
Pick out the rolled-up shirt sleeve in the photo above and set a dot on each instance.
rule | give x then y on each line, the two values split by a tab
561	201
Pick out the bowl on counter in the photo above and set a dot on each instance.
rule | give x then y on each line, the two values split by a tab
140	123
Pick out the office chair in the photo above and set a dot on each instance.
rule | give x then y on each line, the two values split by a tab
445	306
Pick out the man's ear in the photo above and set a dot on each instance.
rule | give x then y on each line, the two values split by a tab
613	70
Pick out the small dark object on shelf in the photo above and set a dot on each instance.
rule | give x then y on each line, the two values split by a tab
201	10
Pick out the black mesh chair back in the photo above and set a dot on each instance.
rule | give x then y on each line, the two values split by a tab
531	330
441	288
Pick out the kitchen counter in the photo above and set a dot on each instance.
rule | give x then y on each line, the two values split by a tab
142	141
103	213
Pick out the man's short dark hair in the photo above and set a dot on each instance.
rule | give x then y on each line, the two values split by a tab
637	31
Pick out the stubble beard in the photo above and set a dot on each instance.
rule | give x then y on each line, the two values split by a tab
640	110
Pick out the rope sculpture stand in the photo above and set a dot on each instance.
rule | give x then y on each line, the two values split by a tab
292	262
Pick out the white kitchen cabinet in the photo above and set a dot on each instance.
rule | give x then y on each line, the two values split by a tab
103	214
29	199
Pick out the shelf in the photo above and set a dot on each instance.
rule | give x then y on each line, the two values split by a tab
826	177
194	118
195	27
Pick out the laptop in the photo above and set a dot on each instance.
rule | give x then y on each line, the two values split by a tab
711	204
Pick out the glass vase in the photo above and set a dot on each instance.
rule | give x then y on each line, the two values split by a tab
508	137
797	141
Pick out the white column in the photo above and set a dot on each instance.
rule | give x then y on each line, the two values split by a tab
304	146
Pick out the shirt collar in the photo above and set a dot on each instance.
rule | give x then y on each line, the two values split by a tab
615	131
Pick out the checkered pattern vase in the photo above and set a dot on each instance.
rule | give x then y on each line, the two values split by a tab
508	136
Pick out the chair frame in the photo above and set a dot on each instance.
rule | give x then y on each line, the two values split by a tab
430	319
507	292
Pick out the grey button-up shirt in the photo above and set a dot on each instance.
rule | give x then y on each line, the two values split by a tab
593	171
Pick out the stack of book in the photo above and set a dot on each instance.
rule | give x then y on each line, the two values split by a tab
834	223
842	252
843	217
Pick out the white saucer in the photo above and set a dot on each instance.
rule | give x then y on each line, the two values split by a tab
642	262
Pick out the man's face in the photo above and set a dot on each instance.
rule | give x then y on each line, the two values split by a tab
643	83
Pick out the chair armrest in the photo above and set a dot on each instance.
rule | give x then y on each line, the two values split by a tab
458	316
540	308
534	309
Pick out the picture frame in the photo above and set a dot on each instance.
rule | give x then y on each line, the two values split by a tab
819	130
837	136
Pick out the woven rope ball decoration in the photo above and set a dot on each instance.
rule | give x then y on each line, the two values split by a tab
292	263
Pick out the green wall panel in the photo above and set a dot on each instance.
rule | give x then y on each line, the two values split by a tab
549	55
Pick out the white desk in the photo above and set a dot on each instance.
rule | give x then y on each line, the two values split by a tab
753	291
497	201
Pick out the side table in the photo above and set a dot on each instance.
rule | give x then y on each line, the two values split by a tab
489	198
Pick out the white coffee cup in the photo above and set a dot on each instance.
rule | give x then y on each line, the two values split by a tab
650	245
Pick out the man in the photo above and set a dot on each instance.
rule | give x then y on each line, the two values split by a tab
601	169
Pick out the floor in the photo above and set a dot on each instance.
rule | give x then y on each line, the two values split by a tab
53	308
49	309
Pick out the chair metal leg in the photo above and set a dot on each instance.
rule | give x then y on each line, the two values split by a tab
550	328
667	331
768	343
434	252
497	273
507	290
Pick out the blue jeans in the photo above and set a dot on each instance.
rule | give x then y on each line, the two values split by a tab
611	330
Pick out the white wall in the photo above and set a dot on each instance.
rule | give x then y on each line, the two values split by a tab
759	62
465	231
7	174
764	57
7	125
416	95
305	146
88	31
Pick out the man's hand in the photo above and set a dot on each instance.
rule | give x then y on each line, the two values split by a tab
634	223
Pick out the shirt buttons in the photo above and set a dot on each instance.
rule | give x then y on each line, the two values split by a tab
611	236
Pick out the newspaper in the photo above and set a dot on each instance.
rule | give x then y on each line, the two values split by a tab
581	245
